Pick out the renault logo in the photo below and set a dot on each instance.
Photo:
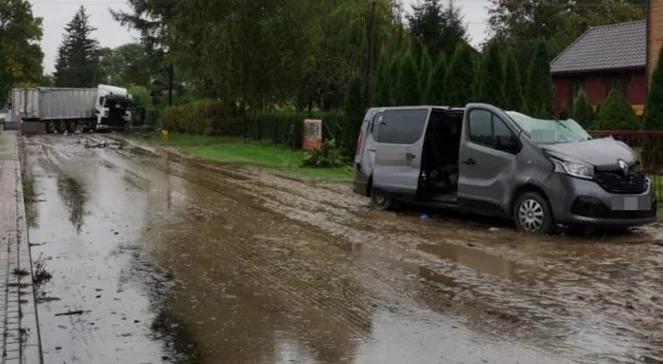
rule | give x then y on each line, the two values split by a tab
623	166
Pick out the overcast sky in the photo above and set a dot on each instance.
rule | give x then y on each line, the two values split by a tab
57	13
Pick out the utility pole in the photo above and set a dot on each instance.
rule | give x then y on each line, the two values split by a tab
171	76
369	68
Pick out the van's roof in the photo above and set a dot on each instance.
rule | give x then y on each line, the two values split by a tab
448	108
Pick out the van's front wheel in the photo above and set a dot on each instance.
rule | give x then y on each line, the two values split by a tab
533	214
380	200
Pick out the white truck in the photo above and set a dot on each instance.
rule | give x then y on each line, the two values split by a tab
60	110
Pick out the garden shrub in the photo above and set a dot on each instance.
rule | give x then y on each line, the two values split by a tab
204	117
329	155
582	110
616	113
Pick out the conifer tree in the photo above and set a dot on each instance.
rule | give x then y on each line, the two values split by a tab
353	111
425	73
459	81
539	89
654	112
78	59
384	83
436	85
490	88
513	90
616	113
408	91
582	110
394	72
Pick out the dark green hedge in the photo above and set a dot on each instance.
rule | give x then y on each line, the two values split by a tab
276	126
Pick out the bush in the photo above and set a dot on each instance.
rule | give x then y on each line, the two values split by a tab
616	113
329	155
582	110
204	117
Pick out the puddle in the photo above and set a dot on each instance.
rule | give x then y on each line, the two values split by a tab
475	259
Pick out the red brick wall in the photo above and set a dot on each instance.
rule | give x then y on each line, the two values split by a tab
655	32
596	88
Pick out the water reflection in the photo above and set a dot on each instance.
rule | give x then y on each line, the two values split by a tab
75	197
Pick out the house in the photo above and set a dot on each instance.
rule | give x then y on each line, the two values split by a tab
603	58
616	56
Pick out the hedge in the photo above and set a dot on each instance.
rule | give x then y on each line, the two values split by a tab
209	117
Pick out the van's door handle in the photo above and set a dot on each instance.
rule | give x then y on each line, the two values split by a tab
470	162
410	156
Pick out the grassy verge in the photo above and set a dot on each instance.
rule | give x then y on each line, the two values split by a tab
262	155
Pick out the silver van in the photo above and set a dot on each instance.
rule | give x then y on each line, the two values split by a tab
482	159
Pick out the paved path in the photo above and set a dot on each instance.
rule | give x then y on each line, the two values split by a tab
18	317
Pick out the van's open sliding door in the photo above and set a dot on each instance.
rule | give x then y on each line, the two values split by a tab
400	142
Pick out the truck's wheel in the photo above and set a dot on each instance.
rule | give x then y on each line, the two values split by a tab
71	127
380	200
62	127
50	128
533	214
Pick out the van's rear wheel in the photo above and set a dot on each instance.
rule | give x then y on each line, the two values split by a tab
533	214
380	200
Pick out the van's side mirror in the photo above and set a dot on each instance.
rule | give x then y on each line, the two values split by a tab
509	144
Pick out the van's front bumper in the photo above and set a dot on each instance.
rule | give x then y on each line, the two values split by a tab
577	201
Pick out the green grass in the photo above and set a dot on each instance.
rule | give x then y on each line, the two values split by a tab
262	155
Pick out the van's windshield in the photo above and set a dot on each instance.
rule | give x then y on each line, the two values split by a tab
543	131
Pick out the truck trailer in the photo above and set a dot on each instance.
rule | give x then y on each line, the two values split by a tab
60	110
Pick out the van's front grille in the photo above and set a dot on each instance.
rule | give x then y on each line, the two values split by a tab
617	182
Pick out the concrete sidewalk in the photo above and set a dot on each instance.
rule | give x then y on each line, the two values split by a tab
18	315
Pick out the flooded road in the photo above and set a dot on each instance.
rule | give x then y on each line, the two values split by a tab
150	258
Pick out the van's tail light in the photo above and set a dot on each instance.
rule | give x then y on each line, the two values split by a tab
360	141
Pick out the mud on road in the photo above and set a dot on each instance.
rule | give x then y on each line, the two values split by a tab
157	258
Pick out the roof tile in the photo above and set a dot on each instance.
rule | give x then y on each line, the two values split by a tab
607	47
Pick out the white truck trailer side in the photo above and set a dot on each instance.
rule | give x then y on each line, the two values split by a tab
68	109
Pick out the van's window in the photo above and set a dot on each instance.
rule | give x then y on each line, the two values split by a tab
486	128
543	131
374	126
481	127
402	126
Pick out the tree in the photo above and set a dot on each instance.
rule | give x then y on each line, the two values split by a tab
425	70
436	86
20	54
616	113
384	83
78	62
654	112
539	89
582	110
459	81
125	65
520	23
513	90
490	88
408	90
438	27
353	115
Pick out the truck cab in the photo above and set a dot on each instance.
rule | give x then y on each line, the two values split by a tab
112	107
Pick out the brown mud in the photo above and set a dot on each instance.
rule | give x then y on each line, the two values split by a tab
169	259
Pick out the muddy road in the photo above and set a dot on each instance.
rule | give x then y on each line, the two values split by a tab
154	258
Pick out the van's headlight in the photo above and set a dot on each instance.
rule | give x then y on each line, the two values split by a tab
573	168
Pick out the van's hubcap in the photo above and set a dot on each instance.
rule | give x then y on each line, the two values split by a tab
380	199
531	215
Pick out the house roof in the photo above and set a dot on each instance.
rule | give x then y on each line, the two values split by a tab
604	48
